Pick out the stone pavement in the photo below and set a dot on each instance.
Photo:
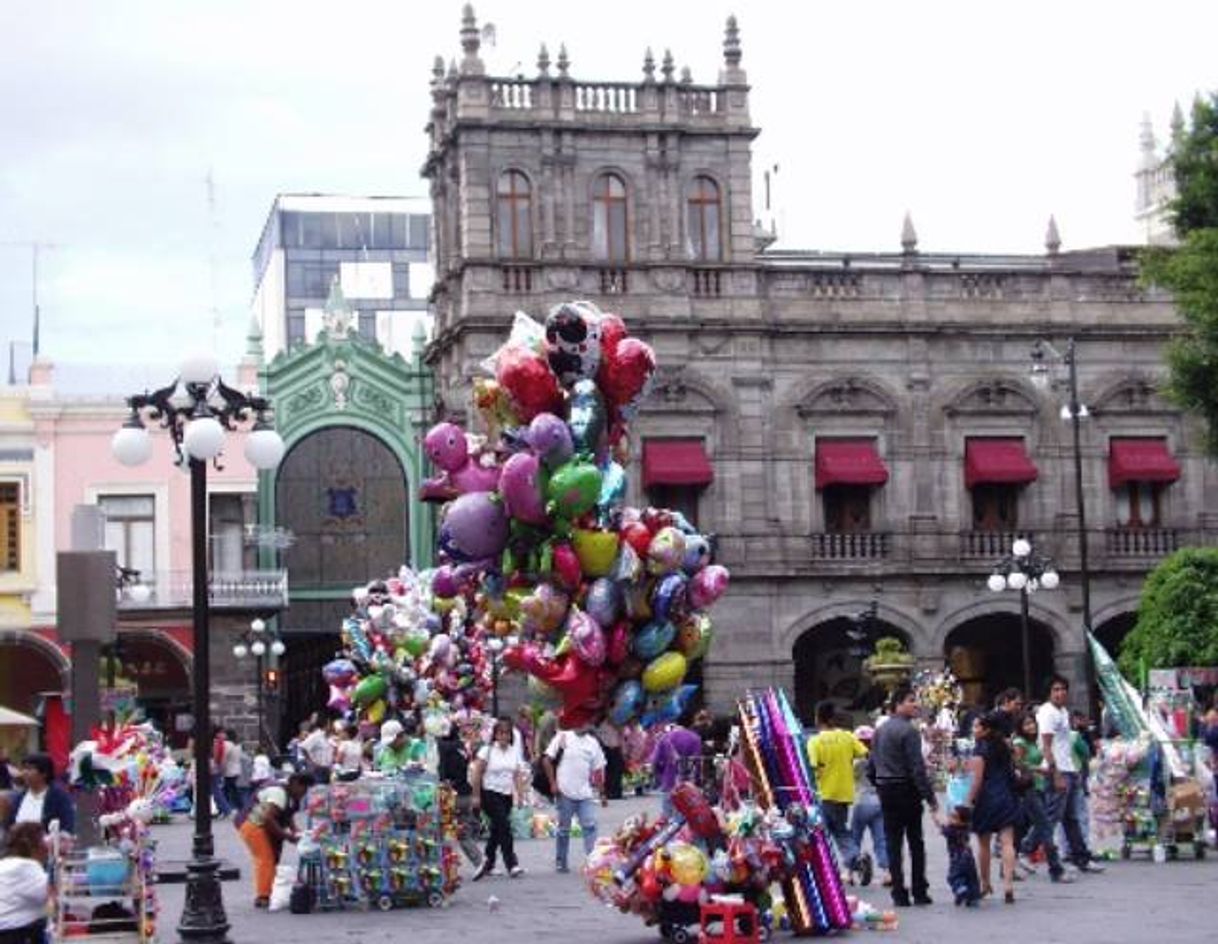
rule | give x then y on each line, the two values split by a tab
1133	901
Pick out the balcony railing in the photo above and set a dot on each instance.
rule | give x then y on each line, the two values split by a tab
243	590
989	545
1141	542
517	279
707	283
851	545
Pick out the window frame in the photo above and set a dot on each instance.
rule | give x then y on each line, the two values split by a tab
123	555
996	495
10	522
697	205
838	500
615	209
509	243
1135	493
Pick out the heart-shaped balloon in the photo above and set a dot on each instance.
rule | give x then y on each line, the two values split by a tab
626	374
528	380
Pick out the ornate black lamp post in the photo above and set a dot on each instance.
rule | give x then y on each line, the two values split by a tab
197	408
1026	571
257	643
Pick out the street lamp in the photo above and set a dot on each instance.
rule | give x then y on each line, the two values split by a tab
257	643
1025	571
196	409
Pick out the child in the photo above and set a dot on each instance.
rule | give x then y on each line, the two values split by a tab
962	876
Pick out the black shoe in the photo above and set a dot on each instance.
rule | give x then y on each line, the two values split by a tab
865	869
900	899
482	871
923	899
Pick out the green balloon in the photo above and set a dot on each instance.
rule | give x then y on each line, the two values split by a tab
573	489
416	641
370	689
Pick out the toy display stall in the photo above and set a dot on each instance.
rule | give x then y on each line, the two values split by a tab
104	895
378	844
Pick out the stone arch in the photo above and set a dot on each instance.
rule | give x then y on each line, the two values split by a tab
534	210
1112	622
827	660
997	395
720	181
907	625
670	393
43	666
1006	603
850	394
1135	392
179	650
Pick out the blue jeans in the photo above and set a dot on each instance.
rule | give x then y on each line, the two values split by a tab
1061	808
867	815
585	812
837	821
1040	831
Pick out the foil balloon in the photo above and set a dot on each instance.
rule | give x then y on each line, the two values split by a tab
550	439
707	586
664	672
597	551
668	708
613	331
666	552
527	378
573	341
339	700
694	635
522	485
573	489
668	598
587	637
627	700
543	610
441	649
638	536
447	447
613	492
653	639
493	402
688	863
566	566
543	693
618	643
626	375
697	553
475	527
586	417
444	583
603	601
370	689
339	672
581	687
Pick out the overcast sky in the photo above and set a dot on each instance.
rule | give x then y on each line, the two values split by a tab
980	119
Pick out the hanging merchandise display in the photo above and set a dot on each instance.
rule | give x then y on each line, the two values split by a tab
378	843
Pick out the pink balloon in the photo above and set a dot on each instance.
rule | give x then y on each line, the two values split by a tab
587	638
520	484
707	586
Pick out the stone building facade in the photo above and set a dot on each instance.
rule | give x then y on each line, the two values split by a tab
874	439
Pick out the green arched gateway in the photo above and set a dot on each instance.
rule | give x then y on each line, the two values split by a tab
352	418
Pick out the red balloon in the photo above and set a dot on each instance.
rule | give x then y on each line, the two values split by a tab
619	643
583	688
627	371
613	332
566	566
638	536
529	381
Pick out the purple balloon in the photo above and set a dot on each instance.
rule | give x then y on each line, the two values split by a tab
550	438
475	526
521	486
604	601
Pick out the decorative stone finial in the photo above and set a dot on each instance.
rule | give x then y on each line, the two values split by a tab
909	235
437	70
1146	134
253	338
1177	123
731	43
564	62
471	42
667	67
543	61
687	77
649	66
452	70
1053	239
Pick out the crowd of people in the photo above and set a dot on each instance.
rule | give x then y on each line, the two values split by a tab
1019	790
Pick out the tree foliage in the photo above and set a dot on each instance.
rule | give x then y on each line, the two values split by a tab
1177	621
1190	271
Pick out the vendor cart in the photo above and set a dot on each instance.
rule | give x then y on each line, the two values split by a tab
1164	813
106	893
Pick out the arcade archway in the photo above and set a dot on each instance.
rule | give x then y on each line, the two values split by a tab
29	668
986	655
829	665
1112	632
161	673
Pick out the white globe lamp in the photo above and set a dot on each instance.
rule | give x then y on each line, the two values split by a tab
264	448
204	438
199	368
139	593
997	583
131	445
1017	581
278	648
258	648
258	625
1050	580
1021	548
240	650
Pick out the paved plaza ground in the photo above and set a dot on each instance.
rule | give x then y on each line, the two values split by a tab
1136	901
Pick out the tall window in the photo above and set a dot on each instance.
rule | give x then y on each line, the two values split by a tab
10	526
227	530
682	498
702	237
847	507
1137	504
514	222
994	507
609	242
131	531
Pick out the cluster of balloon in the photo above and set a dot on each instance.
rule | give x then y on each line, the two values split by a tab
409	643
603	605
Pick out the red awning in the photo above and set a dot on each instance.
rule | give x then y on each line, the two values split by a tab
848	462
1140	460
997	462
675	462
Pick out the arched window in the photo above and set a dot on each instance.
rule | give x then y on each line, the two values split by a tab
702	237
609	242
515	222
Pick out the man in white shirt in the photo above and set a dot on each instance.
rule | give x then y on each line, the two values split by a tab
318	752
230	766
1053	722
575	784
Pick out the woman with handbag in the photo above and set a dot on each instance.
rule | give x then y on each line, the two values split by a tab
494	776
993	801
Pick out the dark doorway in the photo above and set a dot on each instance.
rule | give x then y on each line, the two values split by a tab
1111	633
829	666
162	679
986	655
26	672
303	690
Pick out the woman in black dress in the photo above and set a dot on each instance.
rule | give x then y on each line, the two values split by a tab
993	799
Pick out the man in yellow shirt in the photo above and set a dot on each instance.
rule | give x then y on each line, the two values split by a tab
832	752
